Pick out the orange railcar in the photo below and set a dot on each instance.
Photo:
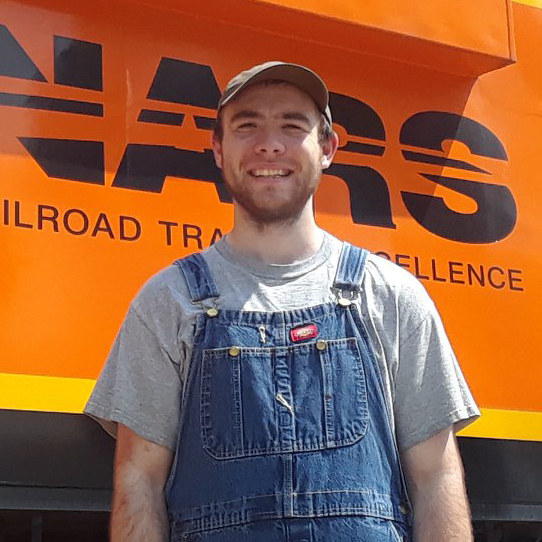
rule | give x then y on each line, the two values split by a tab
107	176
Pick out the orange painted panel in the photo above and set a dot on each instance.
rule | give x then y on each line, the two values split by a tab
106	177
462	38
481	26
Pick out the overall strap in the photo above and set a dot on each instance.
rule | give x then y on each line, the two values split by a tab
350	269
195	270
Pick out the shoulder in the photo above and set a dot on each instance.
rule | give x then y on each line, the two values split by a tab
170	280
391	289
167	290
160	289
391	278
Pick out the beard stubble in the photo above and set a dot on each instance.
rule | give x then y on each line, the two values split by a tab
266	207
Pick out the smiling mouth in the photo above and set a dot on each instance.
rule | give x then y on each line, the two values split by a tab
270	173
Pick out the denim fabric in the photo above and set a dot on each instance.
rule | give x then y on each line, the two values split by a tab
284	437
329	529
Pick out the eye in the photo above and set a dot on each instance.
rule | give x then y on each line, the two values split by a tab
294	127
246	126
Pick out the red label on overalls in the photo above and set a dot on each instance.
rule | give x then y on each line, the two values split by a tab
305	332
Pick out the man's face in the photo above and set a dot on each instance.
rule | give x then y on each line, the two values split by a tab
270	154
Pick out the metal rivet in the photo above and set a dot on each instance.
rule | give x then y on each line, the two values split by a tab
321	345
212	312
234	351
403	508
343	302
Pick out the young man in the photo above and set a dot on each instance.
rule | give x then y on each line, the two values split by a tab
277	386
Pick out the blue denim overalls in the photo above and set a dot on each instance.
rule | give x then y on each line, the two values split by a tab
284	429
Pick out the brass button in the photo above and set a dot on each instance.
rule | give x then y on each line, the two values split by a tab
212	312
234	351
321	345
343	302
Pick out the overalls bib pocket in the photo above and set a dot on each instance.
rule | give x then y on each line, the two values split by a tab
261	401
237	402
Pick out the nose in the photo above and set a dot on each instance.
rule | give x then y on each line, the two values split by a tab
269	143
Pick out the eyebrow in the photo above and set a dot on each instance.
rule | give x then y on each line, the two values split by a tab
294	115
289	115
246	114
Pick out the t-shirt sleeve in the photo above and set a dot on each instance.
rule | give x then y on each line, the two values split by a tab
430	389
140	384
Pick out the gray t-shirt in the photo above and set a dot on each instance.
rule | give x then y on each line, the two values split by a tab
141	384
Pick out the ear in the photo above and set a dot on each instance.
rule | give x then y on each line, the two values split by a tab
329	148
217	150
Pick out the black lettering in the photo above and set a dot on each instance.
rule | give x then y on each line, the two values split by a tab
145	167
417	272
6	212
204	123
169	226
439	160
122	227
496	212
399	262
369	195
453	272
68	159
512	279
69	228
493	220
196	236
471	272
217	234
490	277
182	82
434	271
106	227
360	121
14	61
161	117
78	63
428	129
17	213
29	101
43	217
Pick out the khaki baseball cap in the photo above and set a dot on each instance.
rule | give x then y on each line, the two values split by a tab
300	76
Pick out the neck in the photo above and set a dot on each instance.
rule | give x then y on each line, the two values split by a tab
280	243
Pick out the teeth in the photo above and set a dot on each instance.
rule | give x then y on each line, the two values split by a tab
270	172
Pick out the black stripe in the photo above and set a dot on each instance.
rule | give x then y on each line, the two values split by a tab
73	160
78	63
450	162
51	104
14	60
161	117
204	123
363	148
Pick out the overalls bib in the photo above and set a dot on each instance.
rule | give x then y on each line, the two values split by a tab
285	430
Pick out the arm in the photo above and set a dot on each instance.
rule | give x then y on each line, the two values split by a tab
436	486
141	471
